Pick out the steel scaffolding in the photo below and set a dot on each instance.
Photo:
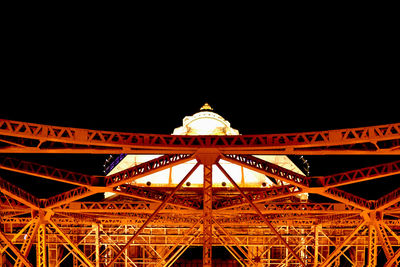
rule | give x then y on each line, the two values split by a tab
145	226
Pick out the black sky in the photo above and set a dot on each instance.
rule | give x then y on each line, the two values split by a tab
265	78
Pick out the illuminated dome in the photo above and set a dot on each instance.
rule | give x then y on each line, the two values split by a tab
205	122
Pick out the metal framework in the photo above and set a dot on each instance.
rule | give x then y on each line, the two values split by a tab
155	226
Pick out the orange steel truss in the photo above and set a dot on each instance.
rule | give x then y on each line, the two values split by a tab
154	226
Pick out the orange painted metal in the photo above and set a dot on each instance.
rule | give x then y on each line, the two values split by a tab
142	224
23	137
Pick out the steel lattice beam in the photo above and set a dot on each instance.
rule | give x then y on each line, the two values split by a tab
19	194
267	194
41	255
269	169
47	172
387	200
67	197
298	180
207	216
361	175
26	137
146	168
155	195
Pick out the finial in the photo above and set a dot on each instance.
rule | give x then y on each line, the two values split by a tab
206	106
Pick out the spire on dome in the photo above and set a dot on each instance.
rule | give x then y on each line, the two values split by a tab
206	107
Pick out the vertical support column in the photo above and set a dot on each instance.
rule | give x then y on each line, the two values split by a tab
97	244
126	241
242	179
52	251
286	249
359	256
3	259
41	254
75	262
207	215
317	228
207	157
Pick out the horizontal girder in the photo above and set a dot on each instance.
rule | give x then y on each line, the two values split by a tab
116	183
47	172
23	137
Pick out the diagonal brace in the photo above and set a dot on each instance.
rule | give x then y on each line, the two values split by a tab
344	243
260	214
162	205
393	260
234	240
74	247
178	242
15	250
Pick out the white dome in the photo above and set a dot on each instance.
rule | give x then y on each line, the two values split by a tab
205	122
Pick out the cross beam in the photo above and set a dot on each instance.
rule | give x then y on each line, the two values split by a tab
24	137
